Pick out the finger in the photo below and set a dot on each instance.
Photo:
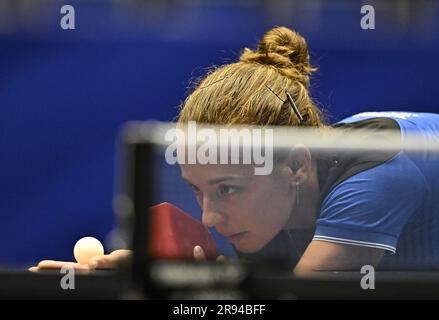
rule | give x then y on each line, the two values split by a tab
222	259
121	253
50	264
102	262
109	260
33	269
199	254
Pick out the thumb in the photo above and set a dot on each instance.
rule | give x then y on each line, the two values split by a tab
199	254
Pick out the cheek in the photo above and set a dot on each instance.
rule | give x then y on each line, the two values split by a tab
277	203
270	210
241	212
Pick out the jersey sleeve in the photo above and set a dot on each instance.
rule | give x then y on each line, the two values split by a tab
372	207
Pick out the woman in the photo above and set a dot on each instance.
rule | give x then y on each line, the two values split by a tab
347	202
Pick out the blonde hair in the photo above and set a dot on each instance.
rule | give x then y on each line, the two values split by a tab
253	90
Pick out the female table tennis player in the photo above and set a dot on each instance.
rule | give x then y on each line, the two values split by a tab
368	210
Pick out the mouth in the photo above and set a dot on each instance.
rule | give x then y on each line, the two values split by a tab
236	237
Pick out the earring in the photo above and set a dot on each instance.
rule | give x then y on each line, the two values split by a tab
297	193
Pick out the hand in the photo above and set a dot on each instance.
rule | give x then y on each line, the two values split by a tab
200	255
106	261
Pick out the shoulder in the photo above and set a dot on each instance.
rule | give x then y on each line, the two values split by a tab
371	207
380	185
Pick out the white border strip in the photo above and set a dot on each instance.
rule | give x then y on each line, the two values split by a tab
359	139
356	243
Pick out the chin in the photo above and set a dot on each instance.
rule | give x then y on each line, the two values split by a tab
249	247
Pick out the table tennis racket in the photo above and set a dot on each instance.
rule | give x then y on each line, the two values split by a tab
174	234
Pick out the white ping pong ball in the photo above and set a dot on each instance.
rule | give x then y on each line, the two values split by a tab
87	248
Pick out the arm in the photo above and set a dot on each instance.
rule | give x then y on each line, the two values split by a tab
328	256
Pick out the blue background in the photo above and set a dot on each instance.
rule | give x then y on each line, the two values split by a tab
65	93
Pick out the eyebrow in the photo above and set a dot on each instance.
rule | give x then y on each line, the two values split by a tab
214	181
222	179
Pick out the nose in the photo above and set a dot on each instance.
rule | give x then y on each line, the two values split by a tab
211	216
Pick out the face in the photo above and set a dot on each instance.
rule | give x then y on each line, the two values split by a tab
249	210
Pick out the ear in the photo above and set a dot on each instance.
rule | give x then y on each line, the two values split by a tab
300	163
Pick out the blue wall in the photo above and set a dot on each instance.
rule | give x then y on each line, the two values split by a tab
64	95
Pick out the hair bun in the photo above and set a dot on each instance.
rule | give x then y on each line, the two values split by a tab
284	49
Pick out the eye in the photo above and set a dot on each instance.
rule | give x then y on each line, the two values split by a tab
196	191
194	188
198	195
227	190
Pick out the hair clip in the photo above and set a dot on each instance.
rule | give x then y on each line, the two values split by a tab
294	107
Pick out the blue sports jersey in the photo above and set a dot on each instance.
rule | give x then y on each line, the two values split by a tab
393	206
